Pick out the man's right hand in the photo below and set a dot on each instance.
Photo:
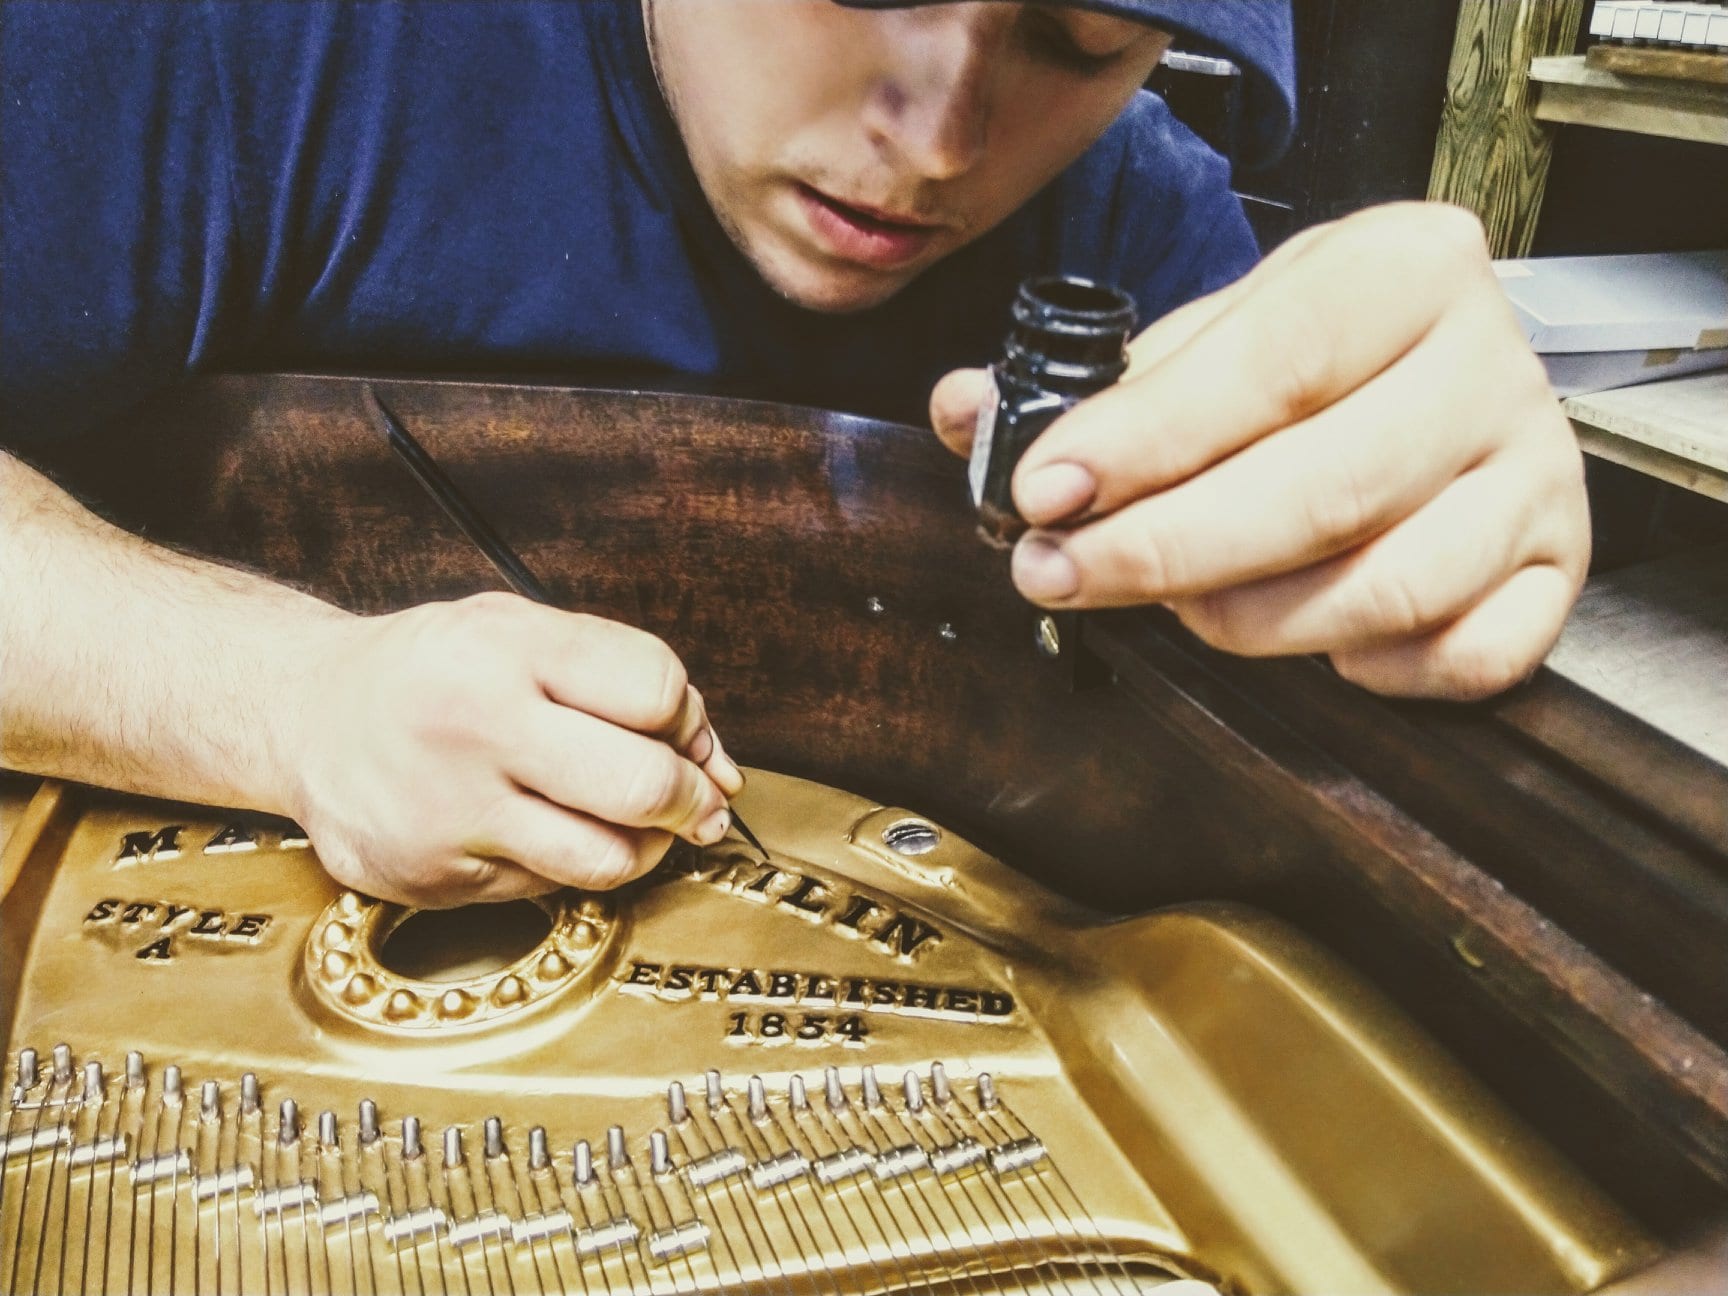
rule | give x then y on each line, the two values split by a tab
494	748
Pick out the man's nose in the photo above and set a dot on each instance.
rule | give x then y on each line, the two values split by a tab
934	107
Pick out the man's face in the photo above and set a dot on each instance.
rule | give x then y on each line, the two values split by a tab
846	150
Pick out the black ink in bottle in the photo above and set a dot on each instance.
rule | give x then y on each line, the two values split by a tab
1069	340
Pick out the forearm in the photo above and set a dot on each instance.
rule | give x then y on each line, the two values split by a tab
132	667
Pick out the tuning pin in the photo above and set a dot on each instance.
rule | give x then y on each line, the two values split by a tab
582	1163
62	1064
327	1129
939	1089
659	1153
210	1101
986	1091
837	1100
171	1085
453	1147
28	1074
494	1138
538	1157
872	1090
677	1110
758	1093
134	1070
617	1155
716	1092
93	1082
796	1095
288	1123
411	1145
248	1094
914	1091
368	1122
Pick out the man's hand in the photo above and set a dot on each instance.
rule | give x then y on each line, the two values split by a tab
1351	451
494	748
476	750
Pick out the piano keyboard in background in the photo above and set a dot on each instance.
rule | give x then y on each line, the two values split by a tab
1695	26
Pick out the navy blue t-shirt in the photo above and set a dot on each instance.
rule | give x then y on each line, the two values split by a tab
468	187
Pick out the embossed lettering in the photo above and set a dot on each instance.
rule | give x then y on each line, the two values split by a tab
678	980
900	935
144	847
783	986
856	912
231	839
170	917
745	983
249	926
803	897
919	997
807	1028
903	934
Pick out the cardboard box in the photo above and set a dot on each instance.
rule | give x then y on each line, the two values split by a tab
1613	321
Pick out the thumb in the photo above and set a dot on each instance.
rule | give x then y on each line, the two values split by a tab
954	407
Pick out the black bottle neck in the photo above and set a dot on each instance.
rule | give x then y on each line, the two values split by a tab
1069	335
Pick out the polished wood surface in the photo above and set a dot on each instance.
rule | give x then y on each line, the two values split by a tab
1542	882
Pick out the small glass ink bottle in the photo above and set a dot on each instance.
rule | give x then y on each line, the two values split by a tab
1069	340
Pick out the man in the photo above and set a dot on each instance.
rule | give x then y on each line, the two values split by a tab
1347	451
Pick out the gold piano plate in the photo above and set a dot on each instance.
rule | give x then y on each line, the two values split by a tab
877	1061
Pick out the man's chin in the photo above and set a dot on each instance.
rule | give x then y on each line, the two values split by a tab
831	289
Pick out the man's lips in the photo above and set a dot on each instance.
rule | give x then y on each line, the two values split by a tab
861	234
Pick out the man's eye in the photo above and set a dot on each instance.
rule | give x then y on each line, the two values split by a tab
1047	39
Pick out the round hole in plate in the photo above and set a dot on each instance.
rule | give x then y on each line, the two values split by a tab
912	837
439	945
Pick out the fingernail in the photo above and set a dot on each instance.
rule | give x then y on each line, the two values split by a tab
713	828
1042	571
726	774
1054	492
701	746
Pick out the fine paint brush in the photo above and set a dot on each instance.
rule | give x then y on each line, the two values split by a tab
509	564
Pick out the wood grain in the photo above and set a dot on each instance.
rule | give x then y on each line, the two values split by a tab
1681	65
1575	91
1491	155
1676	430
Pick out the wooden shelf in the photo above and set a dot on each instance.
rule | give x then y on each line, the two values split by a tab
1572	92
1653	640
1676	430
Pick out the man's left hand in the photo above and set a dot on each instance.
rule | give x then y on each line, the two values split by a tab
1351	451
